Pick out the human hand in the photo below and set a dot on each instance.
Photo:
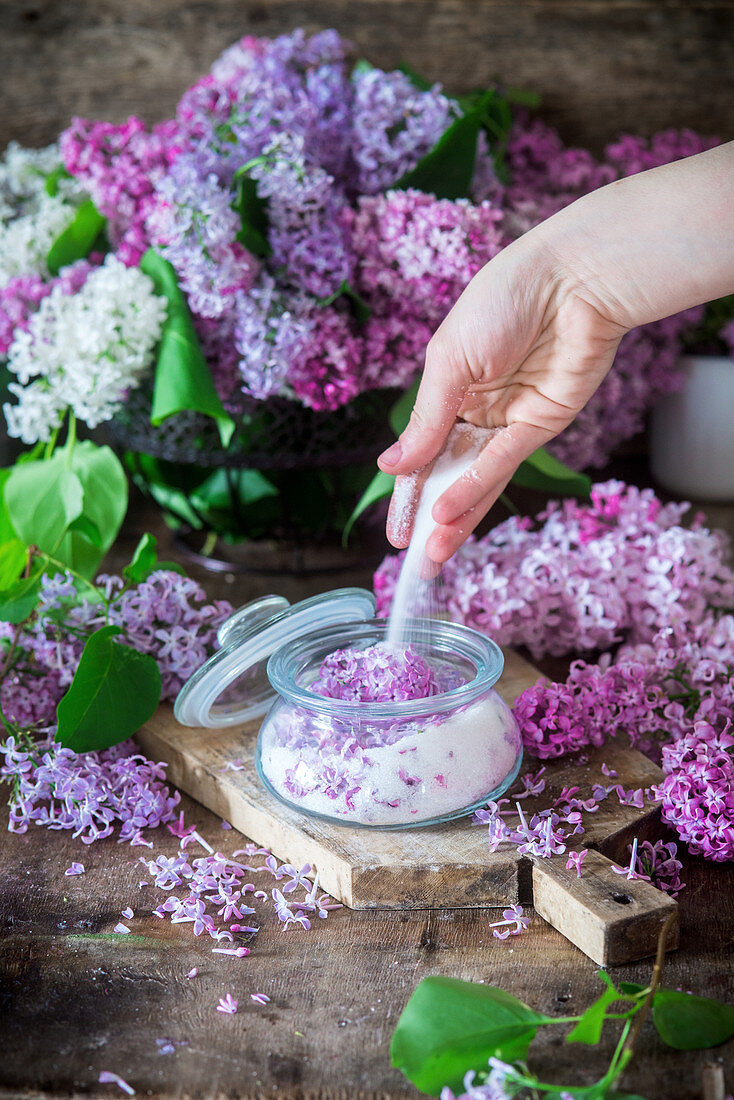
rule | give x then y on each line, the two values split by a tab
522	350
536	330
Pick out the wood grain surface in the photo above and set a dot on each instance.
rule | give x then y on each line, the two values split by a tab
601	66
75	999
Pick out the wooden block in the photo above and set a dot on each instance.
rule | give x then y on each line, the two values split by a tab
611	919
444	866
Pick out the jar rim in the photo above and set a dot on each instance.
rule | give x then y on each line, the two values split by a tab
288	661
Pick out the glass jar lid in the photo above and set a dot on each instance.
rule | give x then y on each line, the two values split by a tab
233	686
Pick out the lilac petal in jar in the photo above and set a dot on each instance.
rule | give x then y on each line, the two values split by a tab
389	764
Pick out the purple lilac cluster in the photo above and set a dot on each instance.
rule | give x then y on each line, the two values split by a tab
378	674
92	793
166	615
583	577
655	863
655	693
697	794
214	886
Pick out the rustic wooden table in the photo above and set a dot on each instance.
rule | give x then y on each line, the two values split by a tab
77	999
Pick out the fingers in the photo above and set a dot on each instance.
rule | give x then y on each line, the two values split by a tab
487	477
403	506
446	539
440	395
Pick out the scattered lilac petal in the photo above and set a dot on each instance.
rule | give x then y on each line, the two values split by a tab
227	1004
107	1078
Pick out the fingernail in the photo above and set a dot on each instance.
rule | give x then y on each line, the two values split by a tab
392	455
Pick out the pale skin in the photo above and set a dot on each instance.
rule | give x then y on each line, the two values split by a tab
536	330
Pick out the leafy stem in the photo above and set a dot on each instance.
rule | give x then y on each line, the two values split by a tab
657	973
10	655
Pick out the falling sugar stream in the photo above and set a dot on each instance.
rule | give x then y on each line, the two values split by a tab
414	593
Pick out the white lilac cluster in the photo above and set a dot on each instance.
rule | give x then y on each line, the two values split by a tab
83	351
30	218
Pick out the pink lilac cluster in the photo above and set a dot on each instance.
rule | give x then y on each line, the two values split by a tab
583	577
166	615
697	793
378	674
119	165
92	793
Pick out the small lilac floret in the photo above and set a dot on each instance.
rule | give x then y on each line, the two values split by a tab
377	674
107	1078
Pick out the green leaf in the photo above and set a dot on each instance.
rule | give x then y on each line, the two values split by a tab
253	212
360	310
632	989
19	600
446	171
43	498
542	471
104	505
89	529
380	487
144	561
53	178
399	415
222	486
114	691
686	1022
449	1026
589	1028
182	376
7	531
77	240
13	556
415	78
362	66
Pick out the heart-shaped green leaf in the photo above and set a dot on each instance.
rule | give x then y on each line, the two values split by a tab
542	471
43	498
13	556
449	1026
686	1022
114	692
380	487
19	600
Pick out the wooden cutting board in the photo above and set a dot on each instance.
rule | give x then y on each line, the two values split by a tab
443	866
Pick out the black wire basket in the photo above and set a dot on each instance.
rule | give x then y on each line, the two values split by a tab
290	477
274	434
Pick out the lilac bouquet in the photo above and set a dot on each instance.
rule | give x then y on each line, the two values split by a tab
295	233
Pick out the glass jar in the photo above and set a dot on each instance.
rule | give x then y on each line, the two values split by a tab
394	764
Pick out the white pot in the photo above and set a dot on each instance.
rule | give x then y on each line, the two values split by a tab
692	432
